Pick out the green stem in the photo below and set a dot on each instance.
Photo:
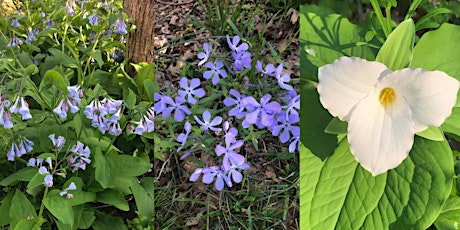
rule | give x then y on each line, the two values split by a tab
42	206
388	13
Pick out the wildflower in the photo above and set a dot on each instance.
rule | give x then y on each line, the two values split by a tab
284	127
230	133
31	35
72	186
120	27
61	109
49	23
23	110
15	23
269	69
215	71
233	172
70	7
176	106
233	44
384	109
241	59
295	144
81	157
265	109
93	19
230	154
209	173
58	142
207	48
207	124
183	136
282	78
190	91
238	110
15	41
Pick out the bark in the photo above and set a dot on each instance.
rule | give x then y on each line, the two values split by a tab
140	44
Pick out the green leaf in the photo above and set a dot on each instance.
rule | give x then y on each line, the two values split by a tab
96	54
449	218
325	37
314	120
396	52
452	123
432	133
336	126
339	194
105	221
149	86
113	197
132	166
143	195
60	208
430	52
21	208
130	100
84	217
26	224
54	76
64	58
5	208
425	22
24	174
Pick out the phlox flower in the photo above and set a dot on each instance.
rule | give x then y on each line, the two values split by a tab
233	44
265	109
384	108
238	110
241	59
176	106
207	124
269	68
284	127
230	154
204	56
215	71
182	138
282	78
211	173
190	90
233	172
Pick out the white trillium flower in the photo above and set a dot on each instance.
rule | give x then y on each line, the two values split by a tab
384	109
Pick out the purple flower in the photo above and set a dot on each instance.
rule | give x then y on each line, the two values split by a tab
295	144
230	133
190	91
294	106
269	69
265	109
207	124
211	173
49	23
207	48
61	109
233	172
93	19
81	157
15	41
120	27
23	110
238	110
15	23
12	153
31	35
230	153
215	71
282	78
58	142
176	106
233	44
70	7
183	136
48	180
284	125
5	118
72	186
242	59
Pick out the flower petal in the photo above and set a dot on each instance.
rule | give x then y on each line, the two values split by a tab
380	138
346	81
430	94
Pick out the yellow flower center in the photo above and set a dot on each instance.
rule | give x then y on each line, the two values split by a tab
387	96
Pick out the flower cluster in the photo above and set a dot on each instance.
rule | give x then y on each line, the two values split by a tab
38	162
71	101
146	123
105	115
21	148
278	113
80	158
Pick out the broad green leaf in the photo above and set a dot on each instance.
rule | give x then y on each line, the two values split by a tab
97	55
325	37
432	133
130	99
26	224
439	50
149	86
105	221
24	174
339	194
144	73
84	217
449	218
21	208
426	23
5	208
396	52
143	195
336	126
314	120
64	58
54	76
113	197
60	208
452	123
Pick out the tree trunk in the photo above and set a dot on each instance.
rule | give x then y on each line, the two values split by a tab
140	44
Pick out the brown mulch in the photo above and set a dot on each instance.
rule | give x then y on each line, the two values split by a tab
173	44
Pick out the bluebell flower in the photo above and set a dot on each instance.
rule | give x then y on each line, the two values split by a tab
81	157
49	23
120	27
15	41
15	23
58	142
72	186
207	124
5	118
190	91
23	109
42	14
12	152
215	71
93	19
70	7
31	35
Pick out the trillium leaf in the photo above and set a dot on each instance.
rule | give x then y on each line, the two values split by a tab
452	123
396	52
431	51
432	133
339	194
336	126
325	36
449	218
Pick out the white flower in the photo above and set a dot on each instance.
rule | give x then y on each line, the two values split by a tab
384	109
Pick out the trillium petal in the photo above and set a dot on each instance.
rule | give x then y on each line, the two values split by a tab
380	138
346	81
430	94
